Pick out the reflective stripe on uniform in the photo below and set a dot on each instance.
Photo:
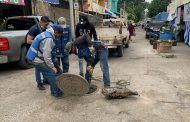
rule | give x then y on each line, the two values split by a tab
43	35
33	50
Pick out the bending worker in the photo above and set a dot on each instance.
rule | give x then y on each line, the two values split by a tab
40	54
84	27
96	52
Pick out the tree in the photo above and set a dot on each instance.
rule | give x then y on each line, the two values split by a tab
157	6
134	8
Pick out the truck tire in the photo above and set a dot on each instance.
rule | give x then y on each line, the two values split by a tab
120	50
127	45
23	62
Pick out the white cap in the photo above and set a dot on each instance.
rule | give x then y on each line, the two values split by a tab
61	20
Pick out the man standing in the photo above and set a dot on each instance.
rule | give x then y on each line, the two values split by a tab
32	33
61	53
84	27
40	54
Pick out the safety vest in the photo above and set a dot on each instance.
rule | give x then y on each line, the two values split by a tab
35	47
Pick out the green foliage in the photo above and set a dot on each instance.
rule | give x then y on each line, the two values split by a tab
157	6
134	8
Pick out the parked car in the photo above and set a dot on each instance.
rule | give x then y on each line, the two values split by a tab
12	39
154	27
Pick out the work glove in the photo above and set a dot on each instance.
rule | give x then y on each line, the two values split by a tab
90	69
68	46
92	50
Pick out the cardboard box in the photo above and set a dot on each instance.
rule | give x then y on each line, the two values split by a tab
164	47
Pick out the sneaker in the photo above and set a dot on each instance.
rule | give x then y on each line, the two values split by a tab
81	74
106	86
41	87
45	81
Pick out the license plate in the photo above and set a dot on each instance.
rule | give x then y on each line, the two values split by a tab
3	59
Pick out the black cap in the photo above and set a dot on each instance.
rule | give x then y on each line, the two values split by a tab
45	19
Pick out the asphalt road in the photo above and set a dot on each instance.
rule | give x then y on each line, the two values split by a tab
163	85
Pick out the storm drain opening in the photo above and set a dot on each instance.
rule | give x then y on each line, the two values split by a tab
92	89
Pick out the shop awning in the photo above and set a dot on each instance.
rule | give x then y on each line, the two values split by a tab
163	16
51	1
15	2
107	11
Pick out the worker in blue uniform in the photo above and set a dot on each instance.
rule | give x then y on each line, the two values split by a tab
40	54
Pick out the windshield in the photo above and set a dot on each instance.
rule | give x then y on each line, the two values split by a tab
19	23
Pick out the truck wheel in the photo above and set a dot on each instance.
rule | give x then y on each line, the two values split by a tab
23	62
120	50
127	45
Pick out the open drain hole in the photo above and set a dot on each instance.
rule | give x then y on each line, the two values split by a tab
92	89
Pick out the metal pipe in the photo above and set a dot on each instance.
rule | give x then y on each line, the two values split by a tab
72	18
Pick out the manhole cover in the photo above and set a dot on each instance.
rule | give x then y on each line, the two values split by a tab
72	84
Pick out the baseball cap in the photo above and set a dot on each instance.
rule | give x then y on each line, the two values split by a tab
57	27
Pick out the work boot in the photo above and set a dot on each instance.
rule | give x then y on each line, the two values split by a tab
81	74
106	86
41	86
45	81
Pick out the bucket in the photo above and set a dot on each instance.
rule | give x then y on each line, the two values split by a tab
154	45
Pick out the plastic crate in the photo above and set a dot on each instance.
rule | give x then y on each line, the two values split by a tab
166	36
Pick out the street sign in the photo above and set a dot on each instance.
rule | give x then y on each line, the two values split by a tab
76	5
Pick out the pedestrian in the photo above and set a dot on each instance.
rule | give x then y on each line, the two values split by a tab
176	31
61	53
40	54
131	30
84	27
32	33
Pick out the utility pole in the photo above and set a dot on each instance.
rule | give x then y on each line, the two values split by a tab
124	5
72	18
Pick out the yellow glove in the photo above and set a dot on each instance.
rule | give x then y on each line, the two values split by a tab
90	69
92	50
68	46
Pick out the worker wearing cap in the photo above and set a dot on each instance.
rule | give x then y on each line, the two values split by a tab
40	54
60	50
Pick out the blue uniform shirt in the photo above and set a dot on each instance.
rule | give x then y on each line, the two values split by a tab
60	43
34	31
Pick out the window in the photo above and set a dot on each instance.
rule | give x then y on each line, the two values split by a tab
20	23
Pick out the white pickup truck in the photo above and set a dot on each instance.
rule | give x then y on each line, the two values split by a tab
114	34
12	39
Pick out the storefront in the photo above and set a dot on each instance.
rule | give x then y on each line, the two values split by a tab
10	8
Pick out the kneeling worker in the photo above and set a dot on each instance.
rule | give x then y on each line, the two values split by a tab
40	54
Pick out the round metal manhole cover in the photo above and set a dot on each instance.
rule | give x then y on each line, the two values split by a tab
72	84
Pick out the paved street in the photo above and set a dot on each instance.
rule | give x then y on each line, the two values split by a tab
163	85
